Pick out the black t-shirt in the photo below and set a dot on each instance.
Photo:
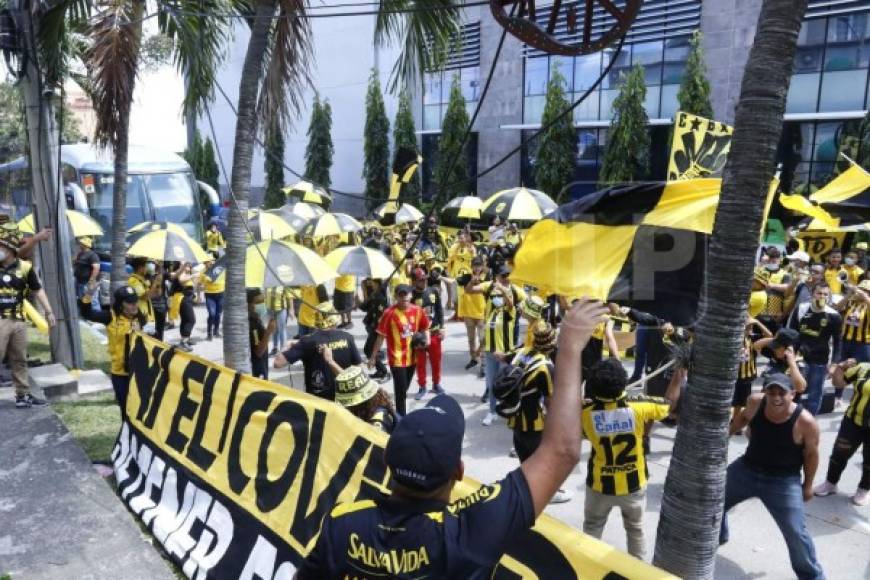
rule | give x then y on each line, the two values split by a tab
395	538
84	264
818	330
17	281
319	379
256	332
429	299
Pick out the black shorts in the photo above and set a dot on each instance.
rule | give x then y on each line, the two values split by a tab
742	390
342	300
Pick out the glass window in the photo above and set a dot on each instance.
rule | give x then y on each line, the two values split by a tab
565	66
536	76
670	106
99	196
607	98
587	146
173	200
826	142
588	109
803	93
622	65
431	117
586	71
432	88
649	56
822	173
533	109
676	54
470	79
811	44
651	103
843	90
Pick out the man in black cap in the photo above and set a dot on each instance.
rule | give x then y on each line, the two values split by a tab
783	359
415	532
784	440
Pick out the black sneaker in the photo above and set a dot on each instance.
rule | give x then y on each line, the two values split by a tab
27	401
471	364
35	401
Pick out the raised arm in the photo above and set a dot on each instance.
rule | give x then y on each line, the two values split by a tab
559	450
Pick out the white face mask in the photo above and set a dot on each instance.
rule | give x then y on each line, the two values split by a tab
497	301
772	267
150	268
850	261
3	255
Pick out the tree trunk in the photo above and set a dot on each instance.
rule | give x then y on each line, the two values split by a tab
691	512
237	346
119	187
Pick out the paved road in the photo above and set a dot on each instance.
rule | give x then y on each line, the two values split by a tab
757	550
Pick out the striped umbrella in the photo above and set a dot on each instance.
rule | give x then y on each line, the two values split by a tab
140	230
288	265
267	226
360	261
308	192
518	204
331	224
387	213
462	208
80	224
301	209
168	246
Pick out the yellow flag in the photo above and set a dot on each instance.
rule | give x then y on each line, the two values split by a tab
700	147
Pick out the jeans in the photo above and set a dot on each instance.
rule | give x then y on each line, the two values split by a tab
782	495
214	304
849	439
491	365
640	338
859	351
82	289
280	335
597	508
812	400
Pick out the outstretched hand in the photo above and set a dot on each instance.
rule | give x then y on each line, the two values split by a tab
579	322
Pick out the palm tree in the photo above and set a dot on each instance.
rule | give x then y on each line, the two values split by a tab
274	75
691	511
112	62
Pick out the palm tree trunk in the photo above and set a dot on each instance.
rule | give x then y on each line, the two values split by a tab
119	189
237	346
691	511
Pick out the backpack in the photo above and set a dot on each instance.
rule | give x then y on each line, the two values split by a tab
506	389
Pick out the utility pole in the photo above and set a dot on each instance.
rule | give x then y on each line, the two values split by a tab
48	203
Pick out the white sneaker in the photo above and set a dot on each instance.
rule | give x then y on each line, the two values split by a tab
562	496
861	497
825	489
487	421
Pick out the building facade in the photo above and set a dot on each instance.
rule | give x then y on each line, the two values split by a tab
829	89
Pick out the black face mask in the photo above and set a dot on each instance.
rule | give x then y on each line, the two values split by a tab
434	279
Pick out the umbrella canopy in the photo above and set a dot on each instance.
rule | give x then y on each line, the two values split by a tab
267	226
308	192
388	214
80	224
518	204
360	261
140	230
462	208
168	246
331	224
301	209
288	265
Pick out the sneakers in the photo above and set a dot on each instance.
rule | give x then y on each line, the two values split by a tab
825	489
27	401
471	364
438	389
484	397
487	421
420	394
561	496
185	346
861	497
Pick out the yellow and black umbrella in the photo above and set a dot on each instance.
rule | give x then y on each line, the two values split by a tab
168	246
331	224
518	204
460	210
308	192
288	265
80	224
389	214
298	214
143	228
360	261
269	226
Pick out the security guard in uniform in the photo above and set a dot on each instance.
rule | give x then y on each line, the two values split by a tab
18	280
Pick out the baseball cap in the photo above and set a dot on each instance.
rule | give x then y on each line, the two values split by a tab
426	446
403	289
861	246
126	294
86	241
800	256
778	379
785	337
505	270
353	386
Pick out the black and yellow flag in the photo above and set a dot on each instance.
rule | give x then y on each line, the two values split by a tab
843	205
700	147
404	167
641	245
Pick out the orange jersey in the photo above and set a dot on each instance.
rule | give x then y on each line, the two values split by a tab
398	328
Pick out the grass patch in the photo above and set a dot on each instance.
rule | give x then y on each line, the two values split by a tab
94	421
96	354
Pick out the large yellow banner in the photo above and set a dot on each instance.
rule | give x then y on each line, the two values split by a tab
233	475
700	147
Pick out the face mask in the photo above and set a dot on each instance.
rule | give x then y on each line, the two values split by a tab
260	309
819	303
850	261
3	255
150	268
497	301
772	267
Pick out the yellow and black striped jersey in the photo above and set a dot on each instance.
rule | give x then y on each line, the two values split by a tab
859	407
615	429
856	323
748	369
537	383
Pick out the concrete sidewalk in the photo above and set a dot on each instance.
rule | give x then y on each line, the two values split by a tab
58	517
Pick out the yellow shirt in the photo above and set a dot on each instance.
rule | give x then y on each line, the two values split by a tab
278	299
142	287
309	297
118	332
210	286
855	274
859	407
346	283
459	259
833	280
214	241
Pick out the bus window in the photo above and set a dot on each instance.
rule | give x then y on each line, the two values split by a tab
99	190
173	198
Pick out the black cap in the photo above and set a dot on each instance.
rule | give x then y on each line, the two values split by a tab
252	294
426	445
126	294
778	379
504	270
404	289
785	337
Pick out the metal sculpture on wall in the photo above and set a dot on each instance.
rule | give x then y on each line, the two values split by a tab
521	19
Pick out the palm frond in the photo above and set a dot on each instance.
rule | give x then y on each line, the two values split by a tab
424	34
199	45
111	62
287	73
58	28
